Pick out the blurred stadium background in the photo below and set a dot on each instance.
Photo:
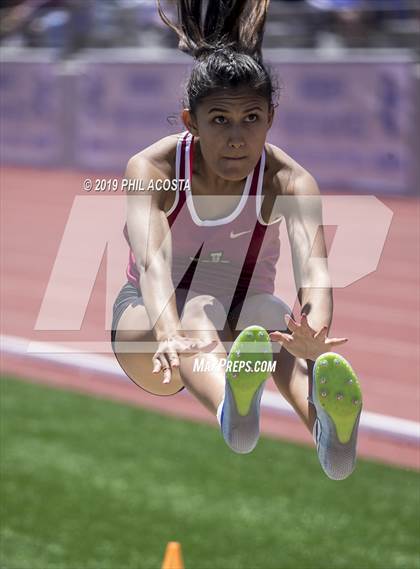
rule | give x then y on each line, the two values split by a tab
97	474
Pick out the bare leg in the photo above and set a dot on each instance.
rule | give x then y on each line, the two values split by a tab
293	377
201	315
207	386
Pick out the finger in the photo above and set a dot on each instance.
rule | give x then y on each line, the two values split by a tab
173	358
290	323
322	334
274	336
167	375
205	346
166	368
305	324
199	346
280	337
157	365
336	341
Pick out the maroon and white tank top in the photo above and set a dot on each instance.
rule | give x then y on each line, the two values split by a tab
225	256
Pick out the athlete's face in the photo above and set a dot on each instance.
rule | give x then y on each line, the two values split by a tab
232	126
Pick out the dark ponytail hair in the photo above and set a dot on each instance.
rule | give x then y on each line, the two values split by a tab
225	40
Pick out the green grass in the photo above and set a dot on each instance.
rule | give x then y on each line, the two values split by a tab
93	484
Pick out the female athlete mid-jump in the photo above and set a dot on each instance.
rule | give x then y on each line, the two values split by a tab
203	258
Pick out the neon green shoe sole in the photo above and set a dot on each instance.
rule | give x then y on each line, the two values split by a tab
248	365
336	392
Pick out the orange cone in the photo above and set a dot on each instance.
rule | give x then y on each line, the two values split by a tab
173	556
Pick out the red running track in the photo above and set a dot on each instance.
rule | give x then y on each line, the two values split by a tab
379	313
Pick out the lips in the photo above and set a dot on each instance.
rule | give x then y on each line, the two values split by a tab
235	158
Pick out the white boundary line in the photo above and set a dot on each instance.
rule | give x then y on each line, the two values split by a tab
384	425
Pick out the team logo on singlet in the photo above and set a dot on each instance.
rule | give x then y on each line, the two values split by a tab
213	257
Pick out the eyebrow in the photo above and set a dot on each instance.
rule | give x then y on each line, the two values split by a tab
214	109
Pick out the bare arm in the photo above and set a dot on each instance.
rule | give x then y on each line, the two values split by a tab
150	239
303	213
309	253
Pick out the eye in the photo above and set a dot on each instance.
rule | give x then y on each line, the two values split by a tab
220	119
252	117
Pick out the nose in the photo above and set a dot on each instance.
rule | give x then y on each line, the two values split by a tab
236	140
236	145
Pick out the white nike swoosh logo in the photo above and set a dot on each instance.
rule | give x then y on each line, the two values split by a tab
235	235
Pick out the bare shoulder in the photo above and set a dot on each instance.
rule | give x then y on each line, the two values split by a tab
158	158
156	162
285	176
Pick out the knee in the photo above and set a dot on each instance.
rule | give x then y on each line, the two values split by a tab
266	310
274	314
203	313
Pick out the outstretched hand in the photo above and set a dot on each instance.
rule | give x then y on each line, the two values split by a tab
304	341
166	358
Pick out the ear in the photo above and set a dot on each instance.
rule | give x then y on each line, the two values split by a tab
270	116
190	122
